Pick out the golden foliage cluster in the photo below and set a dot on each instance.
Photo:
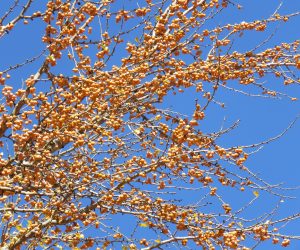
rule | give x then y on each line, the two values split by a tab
86	140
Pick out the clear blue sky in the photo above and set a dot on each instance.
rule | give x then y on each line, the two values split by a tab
260	118
279	161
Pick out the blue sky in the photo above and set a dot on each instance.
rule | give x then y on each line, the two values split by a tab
260	118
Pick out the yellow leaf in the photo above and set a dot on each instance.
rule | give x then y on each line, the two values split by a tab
136	39
19	227
79	235
29	223
256	193
144	225
137	131
157	118
158	241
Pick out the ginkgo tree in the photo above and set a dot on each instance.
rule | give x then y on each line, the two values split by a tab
93	157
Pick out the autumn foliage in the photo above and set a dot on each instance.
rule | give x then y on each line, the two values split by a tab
88	145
